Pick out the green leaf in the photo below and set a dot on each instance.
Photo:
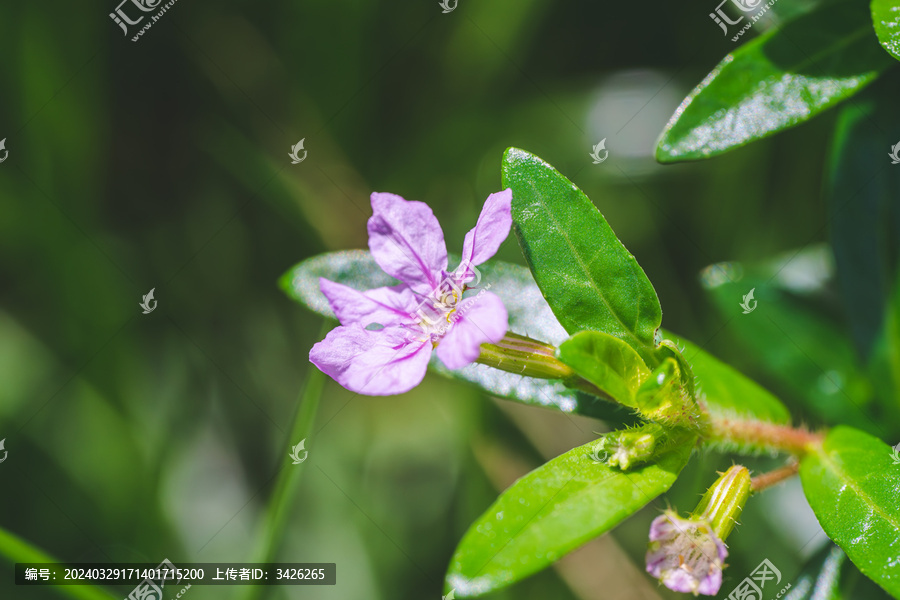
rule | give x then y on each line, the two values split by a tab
16	550
822	576
885	363
528	315
798	344
863	218
607	362
727	393
784	77
589	279
828	575
852	485
554	509
886	18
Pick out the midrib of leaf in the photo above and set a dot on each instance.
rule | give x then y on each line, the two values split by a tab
522	528
590	277
861	32
849	481
543	512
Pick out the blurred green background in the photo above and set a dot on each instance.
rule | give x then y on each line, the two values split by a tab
164	164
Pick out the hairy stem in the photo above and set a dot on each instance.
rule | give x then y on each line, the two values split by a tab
766	480
759	435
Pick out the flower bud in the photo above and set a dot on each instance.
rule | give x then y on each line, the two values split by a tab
665	398
525	356
629	448
724	501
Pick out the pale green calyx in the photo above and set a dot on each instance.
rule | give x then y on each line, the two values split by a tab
724	501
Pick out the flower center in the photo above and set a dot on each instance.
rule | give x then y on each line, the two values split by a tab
436	314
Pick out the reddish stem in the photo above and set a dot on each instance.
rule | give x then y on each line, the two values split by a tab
765	480
765	436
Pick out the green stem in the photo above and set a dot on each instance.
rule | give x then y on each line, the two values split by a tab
281	503
18	550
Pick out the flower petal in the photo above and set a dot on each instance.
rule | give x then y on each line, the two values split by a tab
489	232
679	580
709	585
374	363
479	319
407	242
385	305
685	554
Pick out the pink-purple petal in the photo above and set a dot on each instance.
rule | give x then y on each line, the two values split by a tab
383	306
709	585
374	363
685	554
492	228
479	319
660	528
407	242
679	580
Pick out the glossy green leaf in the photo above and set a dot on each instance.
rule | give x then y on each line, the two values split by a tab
552	510
589	279
727	393
528	315
821	577
853	485
886	18
801	347
885	363
863	218
607	362
828	575
784	77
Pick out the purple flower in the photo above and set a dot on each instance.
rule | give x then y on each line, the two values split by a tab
685	554
387	335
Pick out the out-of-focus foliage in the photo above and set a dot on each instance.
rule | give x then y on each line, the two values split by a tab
163	164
